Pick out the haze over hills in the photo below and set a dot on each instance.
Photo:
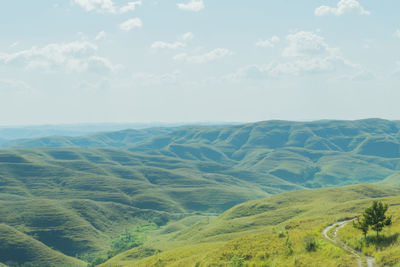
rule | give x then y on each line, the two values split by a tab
37	131
74	195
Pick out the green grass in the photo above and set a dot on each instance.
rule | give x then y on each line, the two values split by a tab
269	232
386	248
18	248
288	155
77	201
76	195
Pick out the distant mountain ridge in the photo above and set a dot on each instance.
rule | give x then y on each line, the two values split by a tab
319	135
118	139
298	152
8	133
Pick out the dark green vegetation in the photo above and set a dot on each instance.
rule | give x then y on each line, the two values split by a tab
76	196
374	217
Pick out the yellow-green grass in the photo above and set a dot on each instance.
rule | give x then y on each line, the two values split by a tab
259	231
386	249
261	248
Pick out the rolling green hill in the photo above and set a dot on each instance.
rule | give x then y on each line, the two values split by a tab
78	196
77	201
312	154
18	248
270	232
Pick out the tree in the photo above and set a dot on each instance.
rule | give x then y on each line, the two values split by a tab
361	225
375	217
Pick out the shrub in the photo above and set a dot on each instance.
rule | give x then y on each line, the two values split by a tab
237	261
289	247
126	241
310	244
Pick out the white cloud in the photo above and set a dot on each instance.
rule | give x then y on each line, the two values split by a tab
305	43
397	34
313	65
107	6
175	45
165	45
192	5
100	35
100	64
187	36
7	85
268	43
75	56
130	6
305	53
213	55
309	53
343	6
130	24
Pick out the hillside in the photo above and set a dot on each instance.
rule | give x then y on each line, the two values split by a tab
312	154
80	195
258	232
77	201
18	248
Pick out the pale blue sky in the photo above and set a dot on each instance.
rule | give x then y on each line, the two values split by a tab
76	61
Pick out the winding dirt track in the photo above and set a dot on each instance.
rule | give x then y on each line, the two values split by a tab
362	260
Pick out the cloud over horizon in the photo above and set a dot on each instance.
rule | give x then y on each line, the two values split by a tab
77	56
192	5
210	56
343	6
131	24
107	6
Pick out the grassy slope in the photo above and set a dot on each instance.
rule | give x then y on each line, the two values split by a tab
142	181
78	200
311	154
17	248
170	173
387	249
251	231
315	154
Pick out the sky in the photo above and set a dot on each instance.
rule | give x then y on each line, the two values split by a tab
91	61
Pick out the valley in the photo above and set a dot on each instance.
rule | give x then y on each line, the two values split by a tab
213	193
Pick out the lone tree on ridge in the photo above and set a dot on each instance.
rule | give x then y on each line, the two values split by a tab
374	217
